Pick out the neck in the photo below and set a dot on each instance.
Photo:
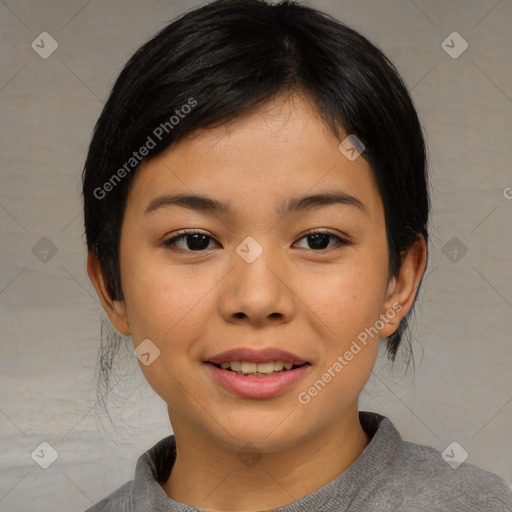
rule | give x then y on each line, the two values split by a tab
210	475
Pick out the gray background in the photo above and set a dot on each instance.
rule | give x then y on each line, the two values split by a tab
461	390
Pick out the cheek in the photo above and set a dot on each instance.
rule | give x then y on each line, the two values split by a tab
161	301
169	308
349	303
349	298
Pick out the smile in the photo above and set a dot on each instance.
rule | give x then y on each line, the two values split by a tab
251	373
252	369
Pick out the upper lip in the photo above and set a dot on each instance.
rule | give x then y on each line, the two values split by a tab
252	355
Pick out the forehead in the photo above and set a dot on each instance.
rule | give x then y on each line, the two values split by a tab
280	150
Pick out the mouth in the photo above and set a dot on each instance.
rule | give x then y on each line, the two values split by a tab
258	369
252	373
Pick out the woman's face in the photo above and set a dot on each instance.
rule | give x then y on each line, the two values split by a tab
256	285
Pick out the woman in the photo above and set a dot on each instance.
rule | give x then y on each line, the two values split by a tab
256	208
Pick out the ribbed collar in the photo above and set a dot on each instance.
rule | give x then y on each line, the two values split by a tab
155	465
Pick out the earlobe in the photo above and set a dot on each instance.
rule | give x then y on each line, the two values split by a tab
115	309
403	288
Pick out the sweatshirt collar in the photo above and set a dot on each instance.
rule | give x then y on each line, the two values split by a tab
154	466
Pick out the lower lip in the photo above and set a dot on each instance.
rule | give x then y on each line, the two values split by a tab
257	387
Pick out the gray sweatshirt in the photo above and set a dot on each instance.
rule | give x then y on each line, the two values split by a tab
391	475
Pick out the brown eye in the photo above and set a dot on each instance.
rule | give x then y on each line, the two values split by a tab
319	240
194	241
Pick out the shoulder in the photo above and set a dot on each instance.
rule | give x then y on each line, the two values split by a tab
409	477
431	480
143	491
119	501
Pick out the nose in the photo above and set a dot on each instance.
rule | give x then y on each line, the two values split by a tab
257	290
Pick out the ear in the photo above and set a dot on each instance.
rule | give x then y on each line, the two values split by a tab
402	289
115	309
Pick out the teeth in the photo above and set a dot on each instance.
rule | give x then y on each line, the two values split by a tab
266	367
236	366
278	366
248	367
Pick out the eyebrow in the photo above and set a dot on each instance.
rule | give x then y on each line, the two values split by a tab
296	204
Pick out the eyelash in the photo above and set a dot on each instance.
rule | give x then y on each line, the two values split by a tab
182	234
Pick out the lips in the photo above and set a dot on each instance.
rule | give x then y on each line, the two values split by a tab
251	355
246	371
